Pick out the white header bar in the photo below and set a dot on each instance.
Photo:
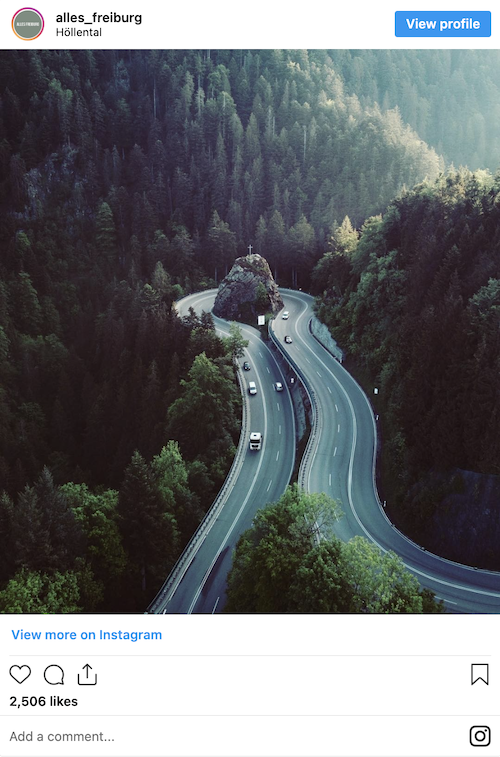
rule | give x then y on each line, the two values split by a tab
225	24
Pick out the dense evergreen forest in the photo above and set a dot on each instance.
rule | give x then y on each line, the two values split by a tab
451	98
128	179
416	302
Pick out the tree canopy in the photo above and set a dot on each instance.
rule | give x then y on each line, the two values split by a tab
291	561
418	312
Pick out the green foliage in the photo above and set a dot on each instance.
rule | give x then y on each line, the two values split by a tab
148	528
208	404
129	179
331	274
449	97
222	244
171	477
105	232
98	517
35	592
44	530
420	313
290	561
234	344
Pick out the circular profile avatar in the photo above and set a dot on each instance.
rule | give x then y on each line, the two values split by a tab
27	24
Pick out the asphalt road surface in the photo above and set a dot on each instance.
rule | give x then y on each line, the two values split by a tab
263	477
341	464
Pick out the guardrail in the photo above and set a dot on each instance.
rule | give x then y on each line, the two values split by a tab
374	475
315	415
186	558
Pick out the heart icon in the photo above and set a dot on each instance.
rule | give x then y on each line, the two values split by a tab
20	673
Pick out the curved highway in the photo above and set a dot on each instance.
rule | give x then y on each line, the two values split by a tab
263	476
342	465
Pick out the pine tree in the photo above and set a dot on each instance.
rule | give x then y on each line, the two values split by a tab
105	234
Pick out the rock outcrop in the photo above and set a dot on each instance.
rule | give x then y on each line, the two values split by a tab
247	291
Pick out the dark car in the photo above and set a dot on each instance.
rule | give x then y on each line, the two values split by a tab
288	339
246	366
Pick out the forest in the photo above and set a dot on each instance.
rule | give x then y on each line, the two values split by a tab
415	300
131	178
451	98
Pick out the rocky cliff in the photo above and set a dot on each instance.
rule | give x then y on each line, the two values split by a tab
247	291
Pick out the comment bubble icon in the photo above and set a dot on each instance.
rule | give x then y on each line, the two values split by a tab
54	675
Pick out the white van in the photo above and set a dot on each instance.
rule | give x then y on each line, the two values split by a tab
252	389
255	440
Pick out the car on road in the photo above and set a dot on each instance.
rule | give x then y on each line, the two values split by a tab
288	339
252	389
286	315
246	366
278	386
255	440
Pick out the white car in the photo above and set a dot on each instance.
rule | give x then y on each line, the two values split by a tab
288	339
252	389
278	386
286	315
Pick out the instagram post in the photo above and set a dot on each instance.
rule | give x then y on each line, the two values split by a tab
249	368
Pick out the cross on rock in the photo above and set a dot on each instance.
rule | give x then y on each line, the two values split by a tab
250	248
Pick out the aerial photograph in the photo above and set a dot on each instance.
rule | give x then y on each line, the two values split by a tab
249	331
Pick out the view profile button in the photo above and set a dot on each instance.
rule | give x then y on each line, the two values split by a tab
443	24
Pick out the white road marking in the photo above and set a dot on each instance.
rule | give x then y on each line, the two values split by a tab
449	601
336	408
267	368
319	374
330	479
308	360
329	389
335	451
338	428
431	577
278	405
238	514
215	605
277	456
220	326
269	485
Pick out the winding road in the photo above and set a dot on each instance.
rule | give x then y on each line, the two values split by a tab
262	477
341	464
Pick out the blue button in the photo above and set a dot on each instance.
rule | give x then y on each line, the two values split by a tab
443	24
